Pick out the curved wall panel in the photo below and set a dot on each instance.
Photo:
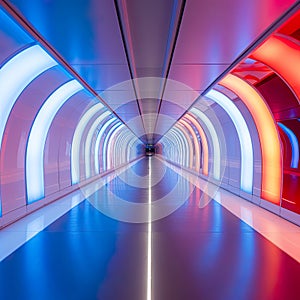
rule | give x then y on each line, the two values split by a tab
279	46
203	141
37	139
271	156
45	116
241	127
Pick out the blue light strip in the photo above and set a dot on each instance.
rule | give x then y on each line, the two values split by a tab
247	163
89	140
97	144
37	139
106	140
182	145
110	151
76	141
16	74
294	144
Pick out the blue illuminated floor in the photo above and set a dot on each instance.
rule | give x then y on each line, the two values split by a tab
196	253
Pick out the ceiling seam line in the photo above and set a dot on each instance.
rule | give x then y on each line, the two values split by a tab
118	12
179	22
247	51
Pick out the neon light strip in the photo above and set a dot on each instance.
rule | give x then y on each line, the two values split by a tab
215	142
97	144
38	135
247	163
203	142
110	148
268	135
294	144
16	75
76	142
124	138
177	141
279	46
134	141
130	144
120	154
196	154
88	143
121	141
184	130
171	144
181	140
105	142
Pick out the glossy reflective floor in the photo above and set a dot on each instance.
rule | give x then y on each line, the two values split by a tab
194	248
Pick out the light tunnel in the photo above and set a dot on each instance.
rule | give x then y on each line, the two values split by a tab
149	149
65	137
56	135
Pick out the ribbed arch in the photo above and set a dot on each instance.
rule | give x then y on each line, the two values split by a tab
97	143
176	141
190	147
38	135
246	147
281	46
88	142
294	145
215	141
24	67
204	142
268	135
76	141
110	146
196	143
106	154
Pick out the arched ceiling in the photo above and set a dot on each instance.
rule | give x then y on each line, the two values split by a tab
107	43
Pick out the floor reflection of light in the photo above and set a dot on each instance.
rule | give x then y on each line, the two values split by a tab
149	269
34	227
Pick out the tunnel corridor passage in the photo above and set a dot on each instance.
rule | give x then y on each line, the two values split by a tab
202	250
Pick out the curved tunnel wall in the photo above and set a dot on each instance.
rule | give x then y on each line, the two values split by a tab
54	134
243	134
256	116
256	120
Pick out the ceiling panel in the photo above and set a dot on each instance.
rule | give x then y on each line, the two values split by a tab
110	42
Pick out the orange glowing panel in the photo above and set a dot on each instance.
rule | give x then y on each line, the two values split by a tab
203	141
268	136
282	54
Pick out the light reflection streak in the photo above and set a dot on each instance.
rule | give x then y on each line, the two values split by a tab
149	255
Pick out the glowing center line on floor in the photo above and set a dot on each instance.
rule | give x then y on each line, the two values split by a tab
149	256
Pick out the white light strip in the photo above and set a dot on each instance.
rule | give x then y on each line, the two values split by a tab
149	254
76	142
182	147
242	129
97	144
16	75
105	147
124	138
88	143
38	135
185	142
175	142
110	150
215	142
